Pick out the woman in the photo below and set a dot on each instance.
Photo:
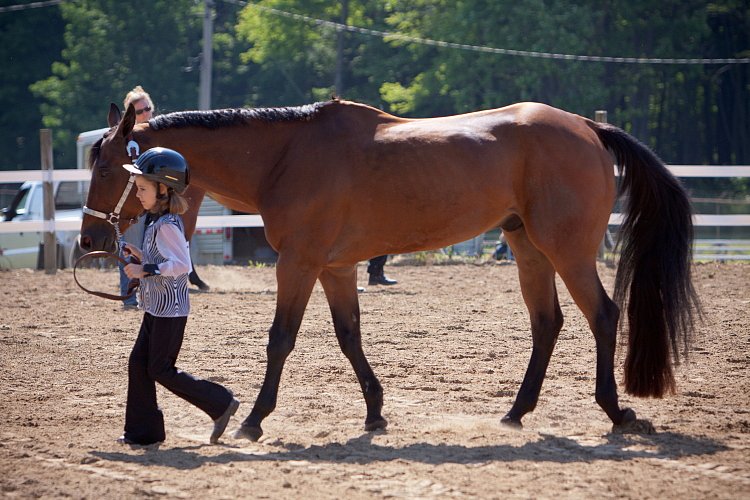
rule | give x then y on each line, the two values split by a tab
144	108
161	175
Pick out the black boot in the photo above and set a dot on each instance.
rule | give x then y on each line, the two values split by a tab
380	279
197	281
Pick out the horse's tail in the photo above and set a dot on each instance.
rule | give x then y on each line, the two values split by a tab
654	272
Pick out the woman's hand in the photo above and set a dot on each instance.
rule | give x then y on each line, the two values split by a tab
134	271
132	250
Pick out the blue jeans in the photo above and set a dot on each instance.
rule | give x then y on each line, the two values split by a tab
132	235
124	280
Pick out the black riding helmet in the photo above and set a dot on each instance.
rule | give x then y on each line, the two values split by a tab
162	165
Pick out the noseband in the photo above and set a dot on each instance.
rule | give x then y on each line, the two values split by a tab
114	216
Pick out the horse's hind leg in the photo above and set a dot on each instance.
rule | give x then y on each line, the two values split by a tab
537	278
340	286
295	284
602	315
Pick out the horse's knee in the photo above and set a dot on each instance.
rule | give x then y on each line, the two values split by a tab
545	328
350	341
279	347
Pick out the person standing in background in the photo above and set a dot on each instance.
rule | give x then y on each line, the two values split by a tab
144	108
377	274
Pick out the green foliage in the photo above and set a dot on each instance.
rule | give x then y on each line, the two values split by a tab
26	57
110	47
687	113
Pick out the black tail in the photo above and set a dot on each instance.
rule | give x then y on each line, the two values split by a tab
654	273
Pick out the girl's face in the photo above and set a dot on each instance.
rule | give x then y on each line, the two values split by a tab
146	192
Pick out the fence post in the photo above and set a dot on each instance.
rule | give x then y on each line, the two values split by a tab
50	242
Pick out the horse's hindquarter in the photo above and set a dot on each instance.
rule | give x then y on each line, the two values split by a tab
566	191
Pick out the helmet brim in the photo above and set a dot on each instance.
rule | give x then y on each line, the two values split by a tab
132	169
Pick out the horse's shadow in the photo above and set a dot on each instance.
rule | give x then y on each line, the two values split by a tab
362	451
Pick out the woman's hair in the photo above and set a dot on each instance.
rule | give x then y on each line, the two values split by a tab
135	95
172	202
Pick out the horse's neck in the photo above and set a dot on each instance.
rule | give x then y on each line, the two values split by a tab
228	163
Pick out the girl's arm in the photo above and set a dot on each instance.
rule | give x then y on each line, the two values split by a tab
172	245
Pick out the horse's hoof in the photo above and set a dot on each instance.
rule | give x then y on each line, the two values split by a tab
510	422
248	432
632	425
377	424
628	416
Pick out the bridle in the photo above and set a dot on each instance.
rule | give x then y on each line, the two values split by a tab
113	218
134	151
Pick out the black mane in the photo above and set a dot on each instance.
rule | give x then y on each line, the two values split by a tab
217	118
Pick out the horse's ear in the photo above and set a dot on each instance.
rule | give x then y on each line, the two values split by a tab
125	127
113	118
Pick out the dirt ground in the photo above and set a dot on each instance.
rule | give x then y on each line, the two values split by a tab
450	344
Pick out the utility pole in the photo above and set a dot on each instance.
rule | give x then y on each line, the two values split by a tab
204	100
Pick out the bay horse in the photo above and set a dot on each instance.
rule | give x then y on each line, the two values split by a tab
339	182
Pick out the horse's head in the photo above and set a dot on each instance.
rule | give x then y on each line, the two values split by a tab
108	183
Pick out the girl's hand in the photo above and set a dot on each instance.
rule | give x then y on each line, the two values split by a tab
134	271
133	250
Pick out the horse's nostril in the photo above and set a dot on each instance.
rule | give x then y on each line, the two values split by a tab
85	243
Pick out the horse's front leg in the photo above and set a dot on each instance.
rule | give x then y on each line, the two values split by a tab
295	283
340	286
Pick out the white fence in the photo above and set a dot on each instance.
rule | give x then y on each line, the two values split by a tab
75	224
256	220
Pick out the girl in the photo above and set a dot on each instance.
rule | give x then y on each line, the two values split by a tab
161	175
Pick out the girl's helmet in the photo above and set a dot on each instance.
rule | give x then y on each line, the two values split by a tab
162	165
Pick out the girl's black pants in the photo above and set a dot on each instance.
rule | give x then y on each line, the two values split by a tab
153	360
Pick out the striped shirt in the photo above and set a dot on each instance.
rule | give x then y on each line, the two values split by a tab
164	244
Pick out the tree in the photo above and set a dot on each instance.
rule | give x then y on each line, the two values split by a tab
110	47
27	58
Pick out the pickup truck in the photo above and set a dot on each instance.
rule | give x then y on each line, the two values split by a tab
21	249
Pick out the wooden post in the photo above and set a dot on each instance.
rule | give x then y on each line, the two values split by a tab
50	242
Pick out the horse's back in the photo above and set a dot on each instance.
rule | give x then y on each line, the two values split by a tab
425	183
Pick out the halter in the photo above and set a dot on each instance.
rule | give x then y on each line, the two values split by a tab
113	217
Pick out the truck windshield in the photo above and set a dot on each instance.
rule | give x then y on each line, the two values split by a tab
17	206
71	195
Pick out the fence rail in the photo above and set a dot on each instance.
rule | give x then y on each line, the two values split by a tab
706	249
